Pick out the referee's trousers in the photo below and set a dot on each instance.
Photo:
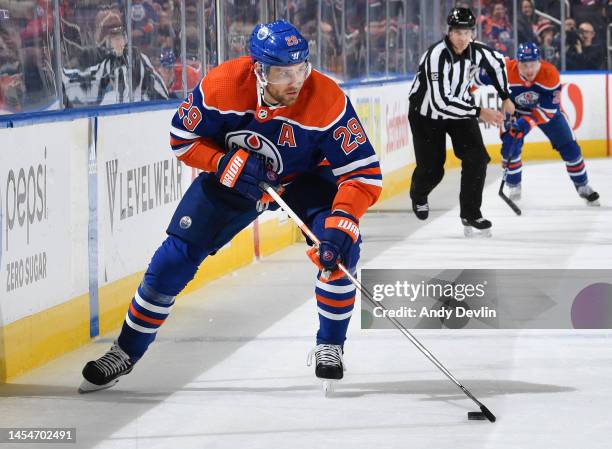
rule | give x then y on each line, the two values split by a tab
429	137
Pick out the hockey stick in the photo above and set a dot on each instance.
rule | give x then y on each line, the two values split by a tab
503	196
501	193
509	202
276	197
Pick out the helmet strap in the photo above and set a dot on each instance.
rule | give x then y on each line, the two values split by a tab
263	112
260	74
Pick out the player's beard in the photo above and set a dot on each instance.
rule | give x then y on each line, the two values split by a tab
282	94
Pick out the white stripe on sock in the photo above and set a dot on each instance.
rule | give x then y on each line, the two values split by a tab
334	316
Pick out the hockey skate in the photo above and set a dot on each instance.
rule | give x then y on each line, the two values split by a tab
105	371
589	195
476	227
421	209
514	192
329	366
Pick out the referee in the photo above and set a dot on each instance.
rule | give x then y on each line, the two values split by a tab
441	103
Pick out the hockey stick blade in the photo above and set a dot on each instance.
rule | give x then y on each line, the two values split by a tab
490	416
508	201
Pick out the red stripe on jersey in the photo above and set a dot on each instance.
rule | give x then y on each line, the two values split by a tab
336	302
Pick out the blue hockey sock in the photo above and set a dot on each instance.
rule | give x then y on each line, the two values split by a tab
576	170
173	265
514	175
335	302
147	312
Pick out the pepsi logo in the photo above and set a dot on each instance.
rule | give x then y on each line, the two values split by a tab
572	103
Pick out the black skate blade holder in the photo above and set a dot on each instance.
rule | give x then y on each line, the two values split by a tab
306	230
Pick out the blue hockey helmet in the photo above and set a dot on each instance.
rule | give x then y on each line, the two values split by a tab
528	51
278	43
167	57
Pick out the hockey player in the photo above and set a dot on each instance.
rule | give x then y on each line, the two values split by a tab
536	92
270	118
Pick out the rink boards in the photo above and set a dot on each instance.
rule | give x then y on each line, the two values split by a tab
85	202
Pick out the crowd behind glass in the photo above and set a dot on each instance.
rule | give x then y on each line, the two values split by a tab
62	54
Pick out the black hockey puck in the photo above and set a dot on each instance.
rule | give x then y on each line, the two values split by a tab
476	416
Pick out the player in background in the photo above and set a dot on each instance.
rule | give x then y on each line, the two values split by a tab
536	91
270	118
171	71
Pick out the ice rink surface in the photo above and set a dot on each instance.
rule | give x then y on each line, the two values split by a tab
228	368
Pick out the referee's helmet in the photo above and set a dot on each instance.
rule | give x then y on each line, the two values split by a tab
461	18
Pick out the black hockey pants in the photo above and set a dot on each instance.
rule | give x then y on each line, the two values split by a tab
429	137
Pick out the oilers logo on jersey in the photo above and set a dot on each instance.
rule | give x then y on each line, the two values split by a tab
257	144
528	99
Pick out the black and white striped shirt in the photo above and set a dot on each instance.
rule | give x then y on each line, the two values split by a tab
441	89
107	82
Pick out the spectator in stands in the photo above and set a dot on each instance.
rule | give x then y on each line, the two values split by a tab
144	18
306	15
26	32
377	34
526	22
355	39
571	34
497	30
11	91
585	54
595	12
210	19
11	70
546	33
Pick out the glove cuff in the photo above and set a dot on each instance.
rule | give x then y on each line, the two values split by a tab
233	168
345	223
